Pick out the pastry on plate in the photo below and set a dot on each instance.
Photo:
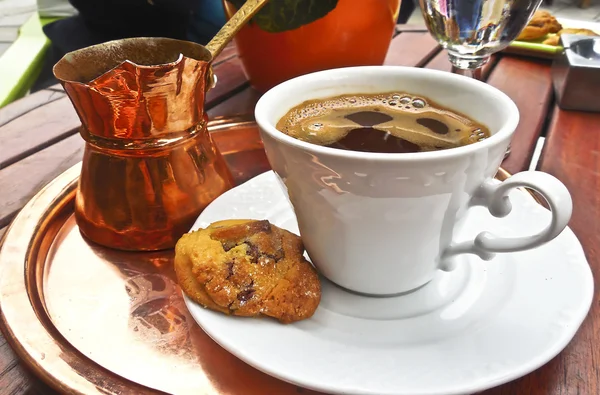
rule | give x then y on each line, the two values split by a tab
555	39
248	268
541	24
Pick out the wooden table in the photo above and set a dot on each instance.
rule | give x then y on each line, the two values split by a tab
39	140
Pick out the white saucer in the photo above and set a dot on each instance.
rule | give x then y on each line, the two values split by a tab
479	326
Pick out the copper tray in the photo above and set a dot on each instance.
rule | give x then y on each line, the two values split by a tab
90	320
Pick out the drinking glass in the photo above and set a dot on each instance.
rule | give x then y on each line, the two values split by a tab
472	30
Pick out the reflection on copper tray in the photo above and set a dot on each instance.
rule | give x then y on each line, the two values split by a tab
92	320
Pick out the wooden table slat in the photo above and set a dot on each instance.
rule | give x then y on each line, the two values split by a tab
441	62
572	154
242	103
411	49
39	169
409	27
43	126
230	80
15	378
228	52
532	93
21	107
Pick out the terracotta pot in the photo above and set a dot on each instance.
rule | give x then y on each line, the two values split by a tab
355	33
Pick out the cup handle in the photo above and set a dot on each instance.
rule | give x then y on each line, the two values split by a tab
494	196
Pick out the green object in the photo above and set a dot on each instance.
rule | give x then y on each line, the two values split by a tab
281	15
534	49
22	62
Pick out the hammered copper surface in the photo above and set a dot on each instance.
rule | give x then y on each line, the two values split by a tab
93	320
149	166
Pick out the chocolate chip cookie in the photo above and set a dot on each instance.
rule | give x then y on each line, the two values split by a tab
248	268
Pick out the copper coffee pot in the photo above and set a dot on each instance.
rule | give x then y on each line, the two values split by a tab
149	166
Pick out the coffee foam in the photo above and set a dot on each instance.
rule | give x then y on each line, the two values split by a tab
323	121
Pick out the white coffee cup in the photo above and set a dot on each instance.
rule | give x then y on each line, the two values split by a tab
380	223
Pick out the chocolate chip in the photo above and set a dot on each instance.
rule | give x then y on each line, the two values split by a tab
252	251
279	255
229	270
228	245
246	295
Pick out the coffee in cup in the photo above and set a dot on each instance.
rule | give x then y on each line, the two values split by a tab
393	122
